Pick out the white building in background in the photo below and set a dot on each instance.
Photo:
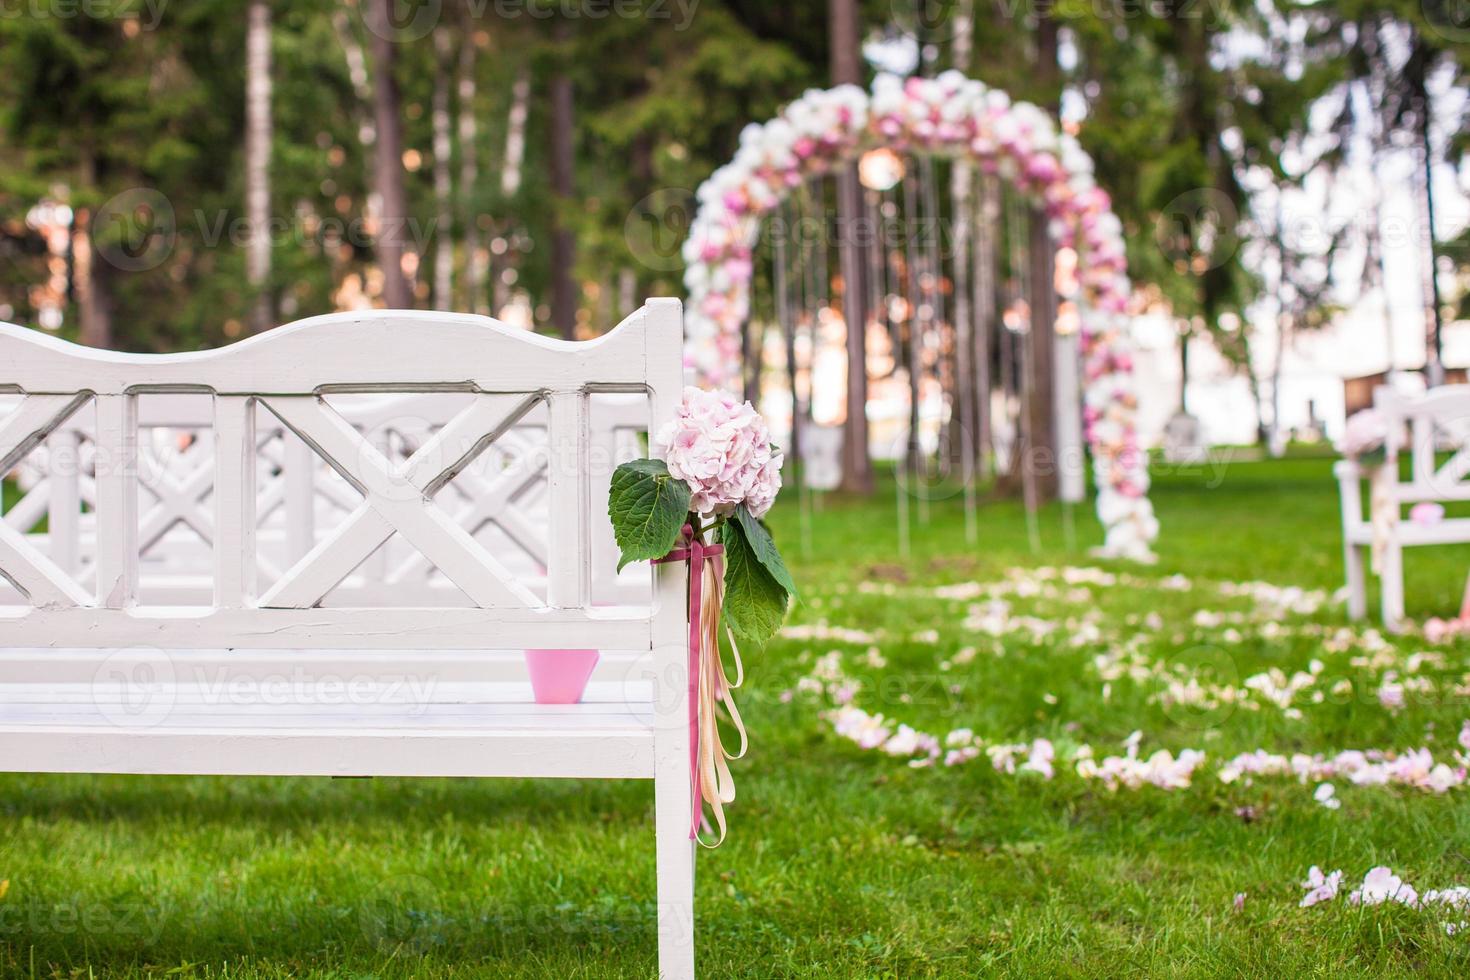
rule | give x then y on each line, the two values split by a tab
1359	343
1313	371
1378	330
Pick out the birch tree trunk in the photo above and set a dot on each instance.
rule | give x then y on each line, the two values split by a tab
443	296
510	169
563	244
388	165
515	134
469	172
257	163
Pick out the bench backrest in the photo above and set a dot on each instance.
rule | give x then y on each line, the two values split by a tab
1427	426
289	378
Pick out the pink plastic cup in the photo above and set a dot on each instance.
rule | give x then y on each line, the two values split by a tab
560	676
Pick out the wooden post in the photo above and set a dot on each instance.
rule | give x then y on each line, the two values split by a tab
673	805
117	500
570	552
234	501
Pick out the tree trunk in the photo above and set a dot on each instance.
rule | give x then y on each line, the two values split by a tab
1184	336
443	182
515	134
91	285
857	469
1375	273
257	163
1434	359
983	304
388	166
1041	454
469	172
963	409
1275	440
754	341
510	171
357	74
563	243
90	280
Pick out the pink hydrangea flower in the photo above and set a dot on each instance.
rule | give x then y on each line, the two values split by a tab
1365	432
722	448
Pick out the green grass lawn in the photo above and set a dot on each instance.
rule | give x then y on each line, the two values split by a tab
845	862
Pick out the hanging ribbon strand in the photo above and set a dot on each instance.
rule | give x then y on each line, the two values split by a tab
710	781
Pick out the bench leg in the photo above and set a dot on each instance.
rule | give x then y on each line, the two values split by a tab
1357	585
675	877
1391	580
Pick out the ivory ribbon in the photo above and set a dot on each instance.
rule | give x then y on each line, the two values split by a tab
709	770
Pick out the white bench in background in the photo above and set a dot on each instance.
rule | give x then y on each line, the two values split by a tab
1435	422
99	676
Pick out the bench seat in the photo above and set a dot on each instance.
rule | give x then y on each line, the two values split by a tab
389	727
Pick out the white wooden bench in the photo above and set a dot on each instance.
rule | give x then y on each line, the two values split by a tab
100	676
1428	425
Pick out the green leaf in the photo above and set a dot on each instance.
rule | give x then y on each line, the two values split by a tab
647	508
755	603
761	543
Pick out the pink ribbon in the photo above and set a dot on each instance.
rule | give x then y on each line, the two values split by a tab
694	552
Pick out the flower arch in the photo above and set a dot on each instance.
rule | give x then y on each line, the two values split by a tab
958	117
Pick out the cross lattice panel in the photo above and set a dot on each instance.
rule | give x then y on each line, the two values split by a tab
430	490
1441	454
48	488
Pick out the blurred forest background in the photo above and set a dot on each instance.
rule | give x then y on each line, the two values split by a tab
175	175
